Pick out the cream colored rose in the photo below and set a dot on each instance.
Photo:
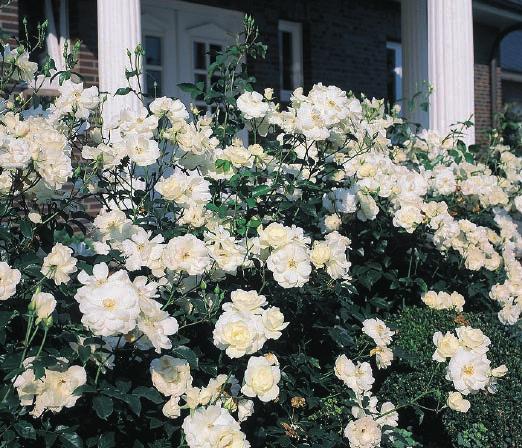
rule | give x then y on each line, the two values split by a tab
238	155
457	402
500	371
363	433
332	222
383	356
274	322
457	300
9	278
432	300
261	379
35	218
249	301
171	376
274	235
171	408
320	254
447	345
43	304
473	339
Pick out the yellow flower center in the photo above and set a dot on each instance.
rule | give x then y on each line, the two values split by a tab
468	369
109	303
292	263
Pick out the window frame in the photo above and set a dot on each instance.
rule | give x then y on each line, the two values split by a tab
397	49
154	67
295	29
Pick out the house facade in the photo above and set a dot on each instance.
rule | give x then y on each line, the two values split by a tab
469	51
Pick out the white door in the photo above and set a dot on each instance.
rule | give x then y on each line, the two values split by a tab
180	39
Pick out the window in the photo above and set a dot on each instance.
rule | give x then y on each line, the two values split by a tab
290	58
204	54
153	66
394	72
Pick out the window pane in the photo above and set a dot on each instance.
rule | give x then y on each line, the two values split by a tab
214	49
153	80
391	76
199	55
152	50
287	61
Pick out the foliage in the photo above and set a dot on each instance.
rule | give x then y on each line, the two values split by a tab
493	419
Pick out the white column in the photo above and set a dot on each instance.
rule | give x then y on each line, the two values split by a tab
119	30
414	59
438	48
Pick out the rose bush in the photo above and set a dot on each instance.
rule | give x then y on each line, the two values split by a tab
233	293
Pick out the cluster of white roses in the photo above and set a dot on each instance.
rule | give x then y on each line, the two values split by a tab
245	325
370	423
468	368
53	391
210	422
444	301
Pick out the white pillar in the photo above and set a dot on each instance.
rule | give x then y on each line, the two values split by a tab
438	48
119	30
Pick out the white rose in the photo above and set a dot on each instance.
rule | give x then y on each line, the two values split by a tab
171	376
239	333
245	408
44	304
247	301
213	426
186	253
59	264
290	266
261	379
330	223
447	345
383	356
320	254
274	235
469	371
473	339
251	105
109	303
378	331
274	322
358	377
9	278
457	402
363	433
171	408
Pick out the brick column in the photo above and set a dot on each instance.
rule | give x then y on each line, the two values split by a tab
119	30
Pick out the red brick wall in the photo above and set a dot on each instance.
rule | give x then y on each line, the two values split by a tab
483	119
9	19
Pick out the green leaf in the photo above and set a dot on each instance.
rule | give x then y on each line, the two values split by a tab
123	91
260	190
103	406
26	229
71	440
107	440
25	430
133	402
149	393
188	354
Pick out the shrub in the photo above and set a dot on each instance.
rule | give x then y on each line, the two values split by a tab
217	296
